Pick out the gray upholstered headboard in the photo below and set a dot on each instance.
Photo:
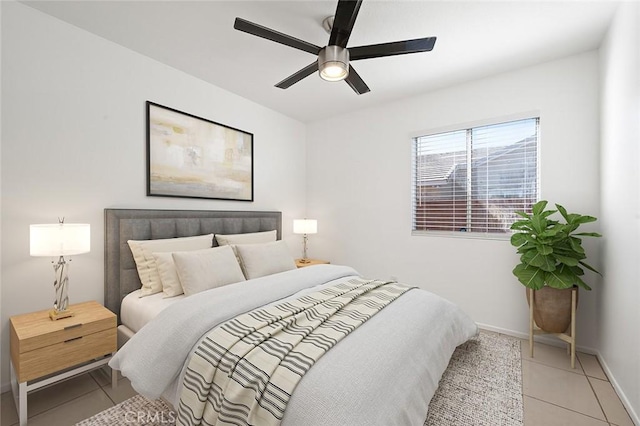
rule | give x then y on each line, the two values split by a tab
121	225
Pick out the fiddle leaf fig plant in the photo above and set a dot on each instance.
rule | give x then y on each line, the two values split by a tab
551	251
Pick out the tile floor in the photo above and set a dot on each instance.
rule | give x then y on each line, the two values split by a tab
553	394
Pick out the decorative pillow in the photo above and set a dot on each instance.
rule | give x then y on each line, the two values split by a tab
258	260
249	238
206	269
171	286
143	250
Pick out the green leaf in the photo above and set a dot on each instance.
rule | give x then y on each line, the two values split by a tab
582	284
567	260
560	278
570	227
522	214
539	224
578	271
528	255
562	211
539	207
546	263
584	219
544	249
521	225
588	234
529	277
576	244
571	218
591	268
567	251
518	239
525	248
550	232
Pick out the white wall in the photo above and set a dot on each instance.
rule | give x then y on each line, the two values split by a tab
359	174
73	143
619	304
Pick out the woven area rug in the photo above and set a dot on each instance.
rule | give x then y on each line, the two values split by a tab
481	386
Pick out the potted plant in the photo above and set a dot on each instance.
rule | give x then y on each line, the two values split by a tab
551	262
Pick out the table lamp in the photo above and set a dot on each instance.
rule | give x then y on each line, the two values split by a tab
60	240
305	227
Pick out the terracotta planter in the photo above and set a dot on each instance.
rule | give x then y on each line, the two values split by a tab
552	308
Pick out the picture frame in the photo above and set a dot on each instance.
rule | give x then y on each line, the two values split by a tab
192	157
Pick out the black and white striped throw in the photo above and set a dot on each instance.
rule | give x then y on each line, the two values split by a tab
244	371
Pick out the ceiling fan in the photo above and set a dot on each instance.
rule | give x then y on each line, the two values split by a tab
333	59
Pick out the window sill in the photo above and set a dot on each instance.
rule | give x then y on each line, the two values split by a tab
465	235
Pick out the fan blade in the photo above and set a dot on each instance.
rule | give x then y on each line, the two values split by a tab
356	82
264	32
392	49
293	79
345	17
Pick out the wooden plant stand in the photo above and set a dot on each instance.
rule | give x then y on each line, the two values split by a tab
569	338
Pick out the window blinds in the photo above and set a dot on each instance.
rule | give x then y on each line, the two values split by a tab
473	180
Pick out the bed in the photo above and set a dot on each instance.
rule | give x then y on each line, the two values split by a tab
120	274
383	372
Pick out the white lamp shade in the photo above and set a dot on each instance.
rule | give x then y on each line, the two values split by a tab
305	226
59	239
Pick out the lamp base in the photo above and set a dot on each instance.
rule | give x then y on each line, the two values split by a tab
56	315
304	260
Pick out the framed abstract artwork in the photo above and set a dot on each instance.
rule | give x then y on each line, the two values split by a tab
189	156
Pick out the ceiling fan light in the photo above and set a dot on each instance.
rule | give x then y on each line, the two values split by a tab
333	63
334	71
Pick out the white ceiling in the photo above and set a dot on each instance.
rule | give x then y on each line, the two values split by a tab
475	39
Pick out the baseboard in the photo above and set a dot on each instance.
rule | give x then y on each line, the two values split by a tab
635	418
5	387
547	340
550	340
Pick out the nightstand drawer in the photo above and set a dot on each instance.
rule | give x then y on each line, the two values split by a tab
71	331
36	330
74	351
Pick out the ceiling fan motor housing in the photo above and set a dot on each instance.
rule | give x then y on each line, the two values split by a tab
333	63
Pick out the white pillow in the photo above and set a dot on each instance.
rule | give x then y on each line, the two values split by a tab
206	269
258	260
171	286
249	238
143	250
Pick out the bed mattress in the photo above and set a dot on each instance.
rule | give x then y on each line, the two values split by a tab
137	311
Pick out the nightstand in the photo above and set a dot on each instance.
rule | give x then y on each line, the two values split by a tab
44	352
310	262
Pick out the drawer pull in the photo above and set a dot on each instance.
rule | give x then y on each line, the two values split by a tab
69	327
71	340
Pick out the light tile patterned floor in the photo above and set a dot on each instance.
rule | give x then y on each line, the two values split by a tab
554	394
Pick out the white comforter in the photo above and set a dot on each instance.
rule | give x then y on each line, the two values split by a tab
383	373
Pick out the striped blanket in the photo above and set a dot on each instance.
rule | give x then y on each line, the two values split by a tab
245	370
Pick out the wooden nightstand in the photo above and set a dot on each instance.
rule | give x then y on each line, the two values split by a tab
310	262
44	352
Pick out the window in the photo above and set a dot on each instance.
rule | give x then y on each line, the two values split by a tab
473	180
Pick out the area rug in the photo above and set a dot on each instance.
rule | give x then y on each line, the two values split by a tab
481	386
